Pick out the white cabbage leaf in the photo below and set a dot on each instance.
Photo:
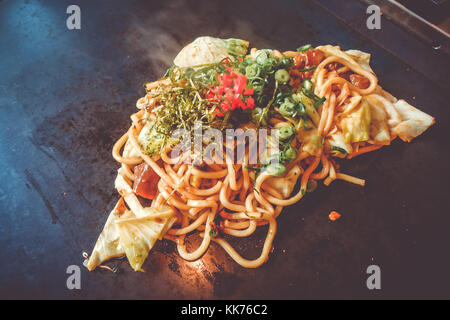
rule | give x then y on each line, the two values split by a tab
138	235
107	245
207	50
355	123
285	184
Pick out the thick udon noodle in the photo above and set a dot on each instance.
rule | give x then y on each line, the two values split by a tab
242	203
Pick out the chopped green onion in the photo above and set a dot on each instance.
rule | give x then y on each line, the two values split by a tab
275	169
307	69
301	108
308	85
236	47
268	66
282	76
282	95
287	62
252	71
168	72
252	168
257	85
290	154
286	132
319	102
261	57
257	113
188	73
259	116
338	149
266	109
304	48
288	109
271	62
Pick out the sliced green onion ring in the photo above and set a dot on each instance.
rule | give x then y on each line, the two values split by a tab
275	169
261	57
304	48
308	85
307	69
286	132
288	109
282	76
338	149
290	154
252	71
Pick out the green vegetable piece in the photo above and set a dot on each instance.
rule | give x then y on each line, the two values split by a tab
287	62
290	154
116	270
282	76
286	132
270	62
252	71
188	73
304	48
307	69
168	72
308	85
338	149
288	109
261	57
319	102
257	85
237	47
309	107
151	140
275	169
259	116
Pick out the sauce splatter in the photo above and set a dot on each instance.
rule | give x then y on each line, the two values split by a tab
334	215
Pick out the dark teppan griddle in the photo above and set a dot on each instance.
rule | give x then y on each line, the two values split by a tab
66	97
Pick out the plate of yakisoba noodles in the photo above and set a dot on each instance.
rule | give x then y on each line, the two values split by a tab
229	136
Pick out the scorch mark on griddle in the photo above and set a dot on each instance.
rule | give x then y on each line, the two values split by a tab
39	147
174	266
38	189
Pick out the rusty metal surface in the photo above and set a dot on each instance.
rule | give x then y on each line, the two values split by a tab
66	96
